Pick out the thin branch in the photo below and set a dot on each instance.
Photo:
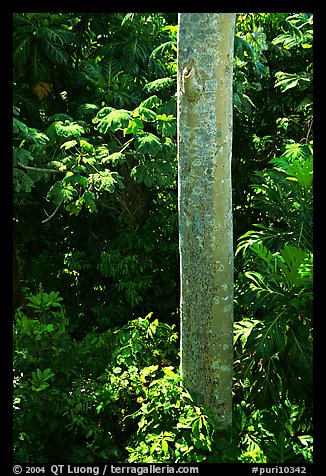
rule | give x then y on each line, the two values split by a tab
38	169
55	211
126	145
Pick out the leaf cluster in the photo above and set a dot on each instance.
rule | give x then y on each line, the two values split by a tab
111	395
275	337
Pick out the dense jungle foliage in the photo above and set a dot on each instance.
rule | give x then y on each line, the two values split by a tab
96	339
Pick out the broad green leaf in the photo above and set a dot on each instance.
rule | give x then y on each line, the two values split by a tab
86	146
69	144
89	199
105	180
144	113
113	119
19	126
22	181
134	126
269	337
158	84
293	258
288	80
148	143
168	371
165	446
117	158
166	125
152	101
21	155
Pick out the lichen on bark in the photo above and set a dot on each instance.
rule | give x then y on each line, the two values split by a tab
205	56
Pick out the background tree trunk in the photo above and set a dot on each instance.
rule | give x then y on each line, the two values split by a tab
205	67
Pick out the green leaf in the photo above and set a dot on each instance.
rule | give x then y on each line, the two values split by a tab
105	180
168	371
269	337
86	146
288	81
60	117
21	155
19	126
293	258
66	129
89	199
148	143
117	158
87	109
152	101
145	114
74	179
113	119
69	144
165	446
22	181
134	127
241	46
263	292
158	84
243	329
166	125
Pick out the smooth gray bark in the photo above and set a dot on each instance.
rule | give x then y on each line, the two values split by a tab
205	70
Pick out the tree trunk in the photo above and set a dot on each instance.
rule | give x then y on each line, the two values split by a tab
205	67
